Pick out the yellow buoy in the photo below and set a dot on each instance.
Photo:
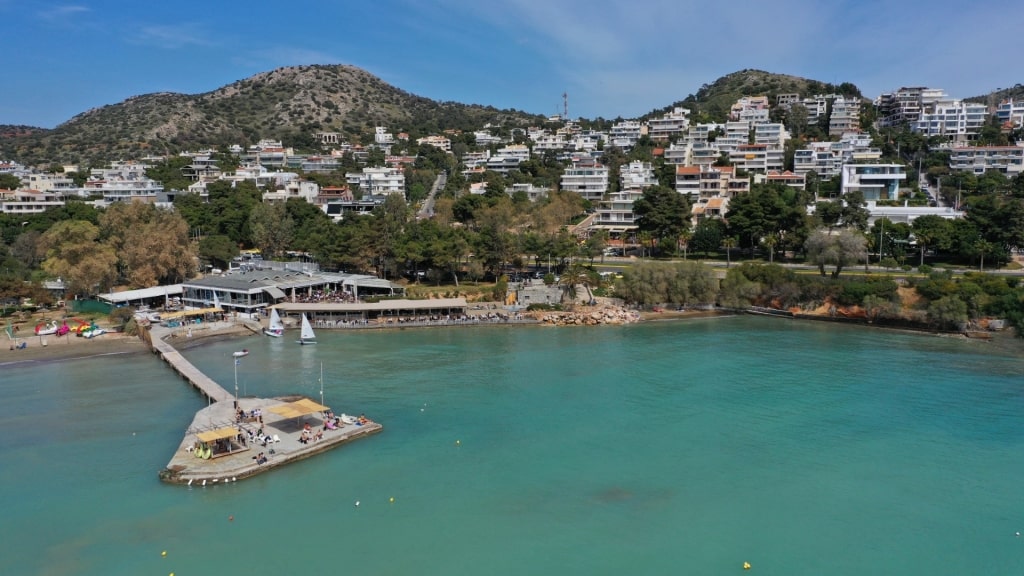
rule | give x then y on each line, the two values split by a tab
392	499
746	565
457	442
164	553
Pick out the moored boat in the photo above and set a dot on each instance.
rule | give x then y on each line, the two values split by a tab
306	335
276	326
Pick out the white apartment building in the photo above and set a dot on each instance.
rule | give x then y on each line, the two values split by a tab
381	137
125	189
520	152
771	134
701	183
14	169
503	164
757	158
787	100
615	213
532	192
475	159
544	142
624	135
485	138
28	201
587	178
305	189
827	158
674	123
750	109
874	181
980	159
378	181
437	142
906	105
845	116
587	141
271	153
1008	112
955	119
819	157
55	183
753	116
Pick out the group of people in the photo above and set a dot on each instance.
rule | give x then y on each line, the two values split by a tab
333	296
254	415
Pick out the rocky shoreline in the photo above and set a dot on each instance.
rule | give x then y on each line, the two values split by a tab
605	315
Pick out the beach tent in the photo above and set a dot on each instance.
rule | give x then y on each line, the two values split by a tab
218	434
228	433
298	408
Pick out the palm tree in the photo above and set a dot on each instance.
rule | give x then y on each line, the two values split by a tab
729	242
922	241
684	239
983	247
644	237
771	241
576	275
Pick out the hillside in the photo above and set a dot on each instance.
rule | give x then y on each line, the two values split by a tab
996	96
289	103
712	101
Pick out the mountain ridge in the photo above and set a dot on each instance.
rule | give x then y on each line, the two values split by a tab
288	103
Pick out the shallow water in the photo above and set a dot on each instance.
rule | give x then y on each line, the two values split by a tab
690	447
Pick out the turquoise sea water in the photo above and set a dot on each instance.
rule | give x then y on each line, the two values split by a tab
678	447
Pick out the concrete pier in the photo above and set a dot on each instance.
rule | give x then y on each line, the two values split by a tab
185	468
241	460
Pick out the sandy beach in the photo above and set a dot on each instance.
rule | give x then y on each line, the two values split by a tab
69	348
73	347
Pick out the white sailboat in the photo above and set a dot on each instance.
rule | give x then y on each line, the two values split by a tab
276	327
306	335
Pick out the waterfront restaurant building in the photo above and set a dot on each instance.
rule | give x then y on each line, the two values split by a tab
252	291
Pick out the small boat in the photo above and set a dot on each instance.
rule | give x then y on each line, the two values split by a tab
276	326
93	332
46	328
346	419
306	335
240	353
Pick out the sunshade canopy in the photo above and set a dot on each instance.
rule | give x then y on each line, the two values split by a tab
218	434
274	292
298	408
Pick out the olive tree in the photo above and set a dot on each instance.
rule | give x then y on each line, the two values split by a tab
841	249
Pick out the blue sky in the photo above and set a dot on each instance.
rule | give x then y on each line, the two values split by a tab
614	58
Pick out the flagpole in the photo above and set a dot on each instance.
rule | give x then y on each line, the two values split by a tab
236	381
322	384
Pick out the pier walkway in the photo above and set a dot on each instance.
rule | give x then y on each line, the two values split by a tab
188	371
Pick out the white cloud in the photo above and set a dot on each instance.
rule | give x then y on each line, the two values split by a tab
61	12
172	37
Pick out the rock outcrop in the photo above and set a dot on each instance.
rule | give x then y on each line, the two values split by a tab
589	317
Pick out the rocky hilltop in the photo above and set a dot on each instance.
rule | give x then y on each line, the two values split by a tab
289	104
